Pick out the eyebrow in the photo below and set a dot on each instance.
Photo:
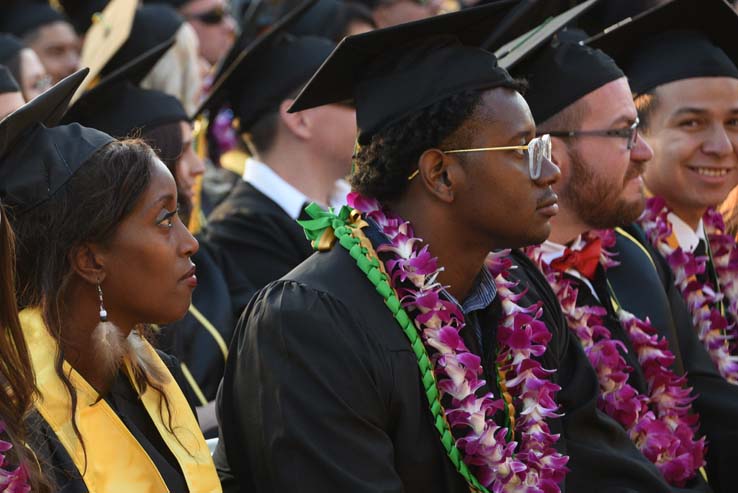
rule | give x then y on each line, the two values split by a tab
163	199
624	119
523	134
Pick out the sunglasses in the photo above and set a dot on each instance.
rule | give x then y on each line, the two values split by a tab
213	16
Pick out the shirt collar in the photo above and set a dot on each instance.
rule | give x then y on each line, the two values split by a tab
550	251
264	179
687	238
483	291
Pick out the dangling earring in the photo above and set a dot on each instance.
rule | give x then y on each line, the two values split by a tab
108	340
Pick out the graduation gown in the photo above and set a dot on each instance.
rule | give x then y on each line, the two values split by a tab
644	284
602	458
322	393
123	400
262	241
131	440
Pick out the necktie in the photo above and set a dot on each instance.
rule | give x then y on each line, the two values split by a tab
584	261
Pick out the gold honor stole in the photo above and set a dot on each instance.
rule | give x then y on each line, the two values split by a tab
115	461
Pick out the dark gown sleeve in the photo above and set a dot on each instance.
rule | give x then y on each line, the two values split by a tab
258	240
302	406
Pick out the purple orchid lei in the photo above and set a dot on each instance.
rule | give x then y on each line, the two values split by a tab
717	332
11	480
659	423
529	464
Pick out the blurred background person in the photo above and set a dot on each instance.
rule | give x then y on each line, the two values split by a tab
24	65
46	31
11	97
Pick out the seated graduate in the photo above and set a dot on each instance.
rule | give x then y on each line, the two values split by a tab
19	472
101	253
200	340
581	98
681	65
296	157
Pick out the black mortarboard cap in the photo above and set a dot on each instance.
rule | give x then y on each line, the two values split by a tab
174	3
265	72
37	158
681	39
121	109
390	73
10	46
318	20
81	12
7	82
21	17
559	69
152	25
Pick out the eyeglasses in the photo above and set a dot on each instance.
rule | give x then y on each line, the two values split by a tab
628	133
42	84
537	150
216	15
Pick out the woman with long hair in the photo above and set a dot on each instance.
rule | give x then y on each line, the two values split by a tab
19	471
102	254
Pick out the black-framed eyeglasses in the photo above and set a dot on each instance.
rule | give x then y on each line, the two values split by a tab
537	150
216	15
630	134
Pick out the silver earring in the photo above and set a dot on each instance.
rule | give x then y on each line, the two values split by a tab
103	311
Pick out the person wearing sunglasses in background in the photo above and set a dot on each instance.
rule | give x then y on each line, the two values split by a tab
25	66
580	97
680	60
213	23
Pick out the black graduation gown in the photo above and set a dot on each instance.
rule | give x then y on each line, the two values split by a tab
602	458
262	241
647	291
122	398
188	339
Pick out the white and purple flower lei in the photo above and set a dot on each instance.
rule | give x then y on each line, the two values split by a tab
529	464
11	480
659	423
717	332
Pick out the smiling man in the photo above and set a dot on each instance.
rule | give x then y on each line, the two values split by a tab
681	62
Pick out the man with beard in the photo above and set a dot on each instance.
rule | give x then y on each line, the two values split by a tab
331	382
582	99
681	63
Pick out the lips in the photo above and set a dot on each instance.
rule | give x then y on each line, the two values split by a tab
190	274
547	200
711	172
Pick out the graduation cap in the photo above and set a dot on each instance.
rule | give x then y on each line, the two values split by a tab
82	12
264	73
121	108
7	82
678	40
173	3
390	73
151	26
21	17
559	69
36	158
10	46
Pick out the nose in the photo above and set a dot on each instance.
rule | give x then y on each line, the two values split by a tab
229	23
550	174
641	151
718	142
198	166
188	245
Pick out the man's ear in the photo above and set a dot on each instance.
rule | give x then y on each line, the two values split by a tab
298	123
88	262
440	174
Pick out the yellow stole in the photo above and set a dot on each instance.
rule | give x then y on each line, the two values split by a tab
115	461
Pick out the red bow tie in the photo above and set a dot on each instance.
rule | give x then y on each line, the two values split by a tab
584	261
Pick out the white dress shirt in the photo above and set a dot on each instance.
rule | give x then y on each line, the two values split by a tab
264	179
687	237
